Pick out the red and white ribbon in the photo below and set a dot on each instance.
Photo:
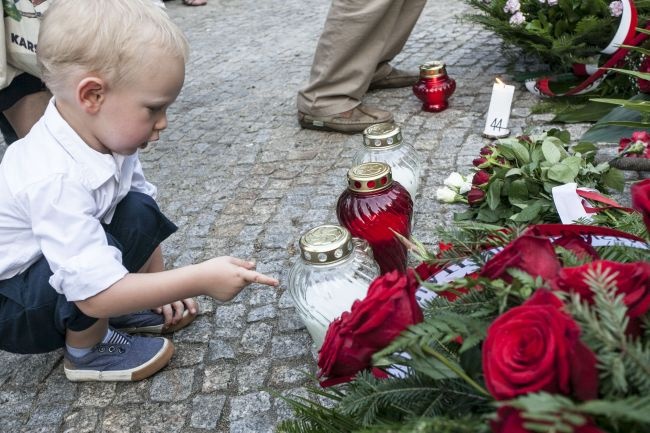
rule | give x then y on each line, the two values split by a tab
625	35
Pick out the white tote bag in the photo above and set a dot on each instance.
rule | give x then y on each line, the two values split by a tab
22	20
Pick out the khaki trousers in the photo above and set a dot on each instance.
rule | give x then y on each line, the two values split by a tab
360	37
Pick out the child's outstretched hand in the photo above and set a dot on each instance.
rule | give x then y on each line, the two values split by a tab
173	313
227	276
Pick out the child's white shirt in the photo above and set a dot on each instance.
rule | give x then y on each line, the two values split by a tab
55	191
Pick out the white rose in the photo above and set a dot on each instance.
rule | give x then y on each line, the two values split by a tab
446	195
465	187
455	181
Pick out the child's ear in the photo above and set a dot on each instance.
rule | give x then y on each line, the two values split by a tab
91	92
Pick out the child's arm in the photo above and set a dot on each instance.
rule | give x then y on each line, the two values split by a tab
221	278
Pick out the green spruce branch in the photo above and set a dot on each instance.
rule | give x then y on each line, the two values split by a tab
623	361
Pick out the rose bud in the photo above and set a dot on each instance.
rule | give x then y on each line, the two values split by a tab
481	177
475	196
487	150
480	162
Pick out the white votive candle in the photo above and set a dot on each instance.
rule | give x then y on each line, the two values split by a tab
496	123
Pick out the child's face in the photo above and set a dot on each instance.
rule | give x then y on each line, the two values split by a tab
134	113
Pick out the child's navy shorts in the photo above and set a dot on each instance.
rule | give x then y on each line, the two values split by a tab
34	317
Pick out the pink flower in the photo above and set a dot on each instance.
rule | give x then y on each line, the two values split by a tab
517	19
512	6
616	8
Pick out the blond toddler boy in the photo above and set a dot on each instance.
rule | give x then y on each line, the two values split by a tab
80	231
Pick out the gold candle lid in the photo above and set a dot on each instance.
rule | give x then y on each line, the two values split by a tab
432	69
326	244
370	177
382	135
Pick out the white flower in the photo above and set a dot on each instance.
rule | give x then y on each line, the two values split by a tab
512	6
542	1
455	181
465	187
552	2
616	8
517	19
446	195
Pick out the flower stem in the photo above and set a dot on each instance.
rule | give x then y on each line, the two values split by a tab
453	367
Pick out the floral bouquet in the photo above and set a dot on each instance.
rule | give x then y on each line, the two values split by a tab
560	32
547	331
514	178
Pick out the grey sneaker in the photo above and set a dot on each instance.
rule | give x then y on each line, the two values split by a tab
124	358
349	122
149	322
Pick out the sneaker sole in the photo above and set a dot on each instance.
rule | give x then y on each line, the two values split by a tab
160	329
140	372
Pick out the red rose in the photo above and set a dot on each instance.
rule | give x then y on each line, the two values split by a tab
475	196
509	420
487	150
641	199
536	347
577	245
481	177
480	162
531	254
372	323
631	279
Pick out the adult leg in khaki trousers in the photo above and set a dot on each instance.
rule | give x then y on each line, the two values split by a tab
358	40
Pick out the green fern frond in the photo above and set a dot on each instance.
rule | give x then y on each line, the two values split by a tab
553	412
439	424
313	417
623	362
414	396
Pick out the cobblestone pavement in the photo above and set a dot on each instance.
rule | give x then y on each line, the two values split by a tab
240	178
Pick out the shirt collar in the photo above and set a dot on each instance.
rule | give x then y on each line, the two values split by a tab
97	167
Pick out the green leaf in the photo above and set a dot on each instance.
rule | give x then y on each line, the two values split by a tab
589	112
614	178
518	192
641	75
513	172
551	152
494	194
528	214
487	215
606	131
521	152
585	147
574	162
561	173
643	106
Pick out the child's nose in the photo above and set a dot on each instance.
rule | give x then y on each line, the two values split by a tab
161	123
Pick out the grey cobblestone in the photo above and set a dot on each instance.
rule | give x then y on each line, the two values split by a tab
239	177
206	411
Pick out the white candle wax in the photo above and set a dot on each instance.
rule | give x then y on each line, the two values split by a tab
496	123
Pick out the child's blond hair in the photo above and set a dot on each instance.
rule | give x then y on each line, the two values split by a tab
109	37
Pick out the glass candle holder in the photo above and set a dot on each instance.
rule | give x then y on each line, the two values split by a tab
375	207
384	142
334	270
434	86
